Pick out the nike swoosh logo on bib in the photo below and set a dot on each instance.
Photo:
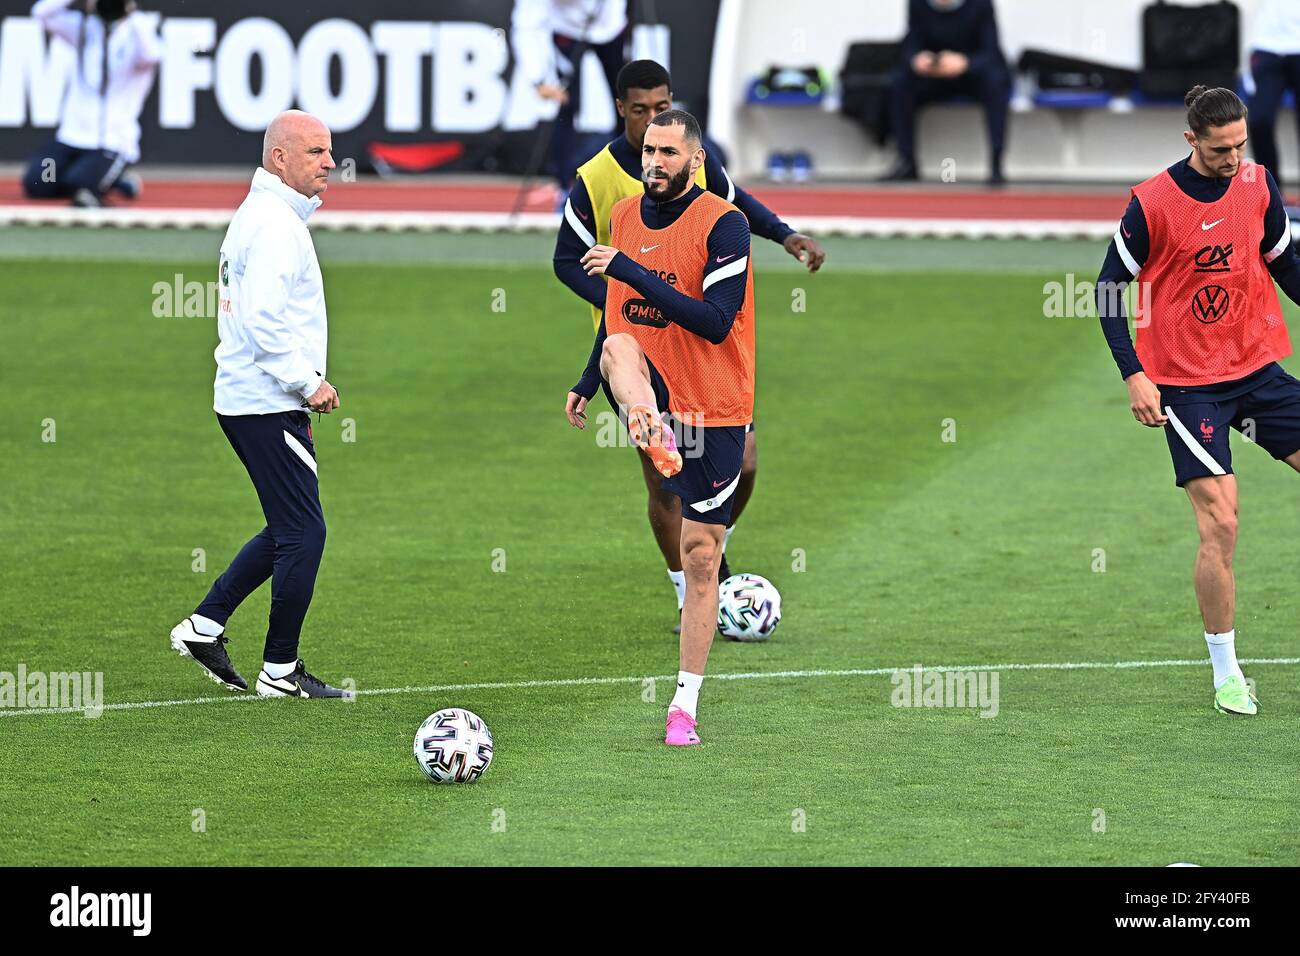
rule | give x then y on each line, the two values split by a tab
645	249
1210	225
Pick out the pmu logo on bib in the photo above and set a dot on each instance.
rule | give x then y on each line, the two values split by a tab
1210	304
641	312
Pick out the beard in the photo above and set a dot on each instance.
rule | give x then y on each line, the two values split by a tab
1218	167
675	186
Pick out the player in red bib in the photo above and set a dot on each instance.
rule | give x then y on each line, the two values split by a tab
1208	238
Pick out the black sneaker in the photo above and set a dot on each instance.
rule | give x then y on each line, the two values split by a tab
128	185
209	653
902	172
298	684
86	199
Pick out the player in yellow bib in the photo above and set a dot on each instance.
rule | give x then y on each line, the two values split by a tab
644	90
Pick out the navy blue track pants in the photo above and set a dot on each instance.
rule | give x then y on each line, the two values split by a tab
278	452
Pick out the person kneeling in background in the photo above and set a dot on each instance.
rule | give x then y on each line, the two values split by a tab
99	134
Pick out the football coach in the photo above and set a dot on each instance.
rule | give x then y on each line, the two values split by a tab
270	371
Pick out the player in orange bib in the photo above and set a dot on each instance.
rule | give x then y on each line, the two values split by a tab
644	90
1207	238
677	349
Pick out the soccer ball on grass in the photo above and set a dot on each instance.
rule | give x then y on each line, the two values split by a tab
749	607
453	746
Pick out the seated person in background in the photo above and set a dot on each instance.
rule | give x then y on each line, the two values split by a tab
117	57
1275	68
951	49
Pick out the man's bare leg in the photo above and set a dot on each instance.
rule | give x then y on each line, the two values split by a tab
744	489
665	513
1214	502
623	365
701	552
748	472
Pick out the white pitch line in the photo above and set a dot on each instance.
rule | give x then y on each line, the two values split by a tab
603	681
439	221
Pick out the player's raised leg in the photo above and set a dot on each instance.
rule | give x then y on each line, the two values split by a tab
1214	500
701	551
624	366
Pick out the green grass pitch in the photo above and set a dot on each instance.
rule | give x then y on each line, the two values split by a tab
892	547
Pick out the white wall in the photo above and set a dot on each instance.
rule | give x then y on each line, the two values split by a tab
818	32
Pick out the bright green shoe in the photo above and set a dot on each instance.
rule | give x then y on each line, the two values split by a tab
1234	697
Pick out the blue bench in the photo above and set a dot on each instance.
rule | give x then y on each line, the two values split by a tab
1101	99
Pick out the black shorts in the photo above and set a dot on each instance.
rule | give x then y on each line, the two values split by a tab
1267	415
711	459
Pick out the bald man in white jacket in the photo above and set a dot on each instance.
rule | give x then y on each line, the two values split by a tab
270	367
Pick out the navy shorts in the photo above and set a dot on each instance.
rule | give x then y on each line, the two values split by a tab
711	460
1267	415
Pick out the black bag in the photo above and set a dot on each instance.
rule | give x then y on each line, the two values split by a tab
864	85
1055	72
1184	46
791	79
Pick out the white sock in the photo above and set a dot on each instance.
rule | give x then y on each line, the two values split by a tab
276	671
1223	655
687	697
206	626
726	536
679	584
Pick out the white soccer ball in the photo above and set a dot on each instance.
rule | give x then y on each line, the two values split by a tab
453	746
749	607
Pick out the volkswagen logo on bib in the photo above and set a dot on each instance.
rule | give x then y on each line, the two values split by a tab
1210	304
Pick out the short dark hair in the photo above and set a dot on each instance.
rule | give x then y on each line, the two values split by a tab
681	118
1208	107
641	75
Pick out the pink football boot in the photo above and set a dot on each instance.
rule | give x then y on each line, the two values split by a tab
649	433
681	729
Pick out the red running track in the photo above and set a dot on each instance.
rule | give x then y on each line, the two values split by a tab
933	202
